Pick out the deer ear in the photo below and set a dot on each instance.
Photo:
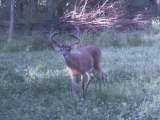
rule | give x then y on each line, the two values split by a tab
57	49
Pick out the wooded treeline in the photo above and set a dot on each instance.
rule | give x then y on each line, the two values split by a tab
40	14
28	13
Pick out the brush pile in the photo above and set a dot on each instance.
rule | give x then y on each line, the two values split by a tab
107	14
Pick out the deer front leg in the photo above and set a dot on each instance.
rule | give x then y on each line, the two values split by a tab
88	81
70	88
74	85
83	85
72	82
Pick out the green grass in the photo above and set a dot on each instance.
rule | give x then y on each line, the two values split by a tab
34	80
34	86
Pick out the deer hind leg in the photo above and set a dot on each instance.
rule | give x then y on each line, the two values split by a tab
98	71
98	79
104	78
101	79
93	76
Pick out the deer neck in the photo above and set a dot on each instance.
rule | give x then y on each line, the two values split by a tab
68	58
72	60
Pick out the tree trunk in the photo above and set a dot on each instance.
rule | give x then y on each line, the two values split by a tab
11	24
158	7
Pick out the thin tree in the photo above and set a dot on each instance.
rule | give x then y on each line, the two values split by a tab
158	7
11	23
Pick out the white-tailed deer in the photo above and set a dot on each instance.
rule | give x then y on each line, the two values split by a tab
81	60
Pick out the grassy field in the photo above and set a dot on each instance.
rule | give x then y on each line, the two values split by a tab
33	86
34	80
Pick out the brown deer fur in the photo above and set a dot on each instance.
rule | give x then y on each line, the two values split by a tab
80	60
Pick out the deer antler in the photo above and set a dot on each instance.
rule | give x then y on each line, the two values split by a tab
52	41
76	36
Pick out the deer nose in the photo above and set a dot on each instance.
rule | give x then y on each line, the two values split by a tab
64	55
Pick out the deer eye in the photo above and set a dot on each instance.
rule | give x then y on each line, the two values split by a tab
68	48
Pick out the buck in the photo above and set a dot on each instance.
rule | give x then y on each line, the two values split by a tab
80	60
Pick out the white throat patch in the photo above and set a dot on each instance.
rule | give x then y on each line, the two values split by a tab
75	51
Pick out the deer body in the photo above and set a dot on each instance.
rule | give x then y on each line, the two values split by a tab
95	52
80	61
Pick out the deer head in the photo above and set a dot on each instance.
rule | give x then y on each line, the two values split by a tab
64	49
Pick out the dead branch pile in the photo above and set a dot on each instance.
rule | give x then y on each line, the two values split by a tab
111	15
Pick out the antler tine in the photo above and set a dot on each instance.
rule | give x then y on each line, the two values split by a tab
77	35
52	40
52	35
